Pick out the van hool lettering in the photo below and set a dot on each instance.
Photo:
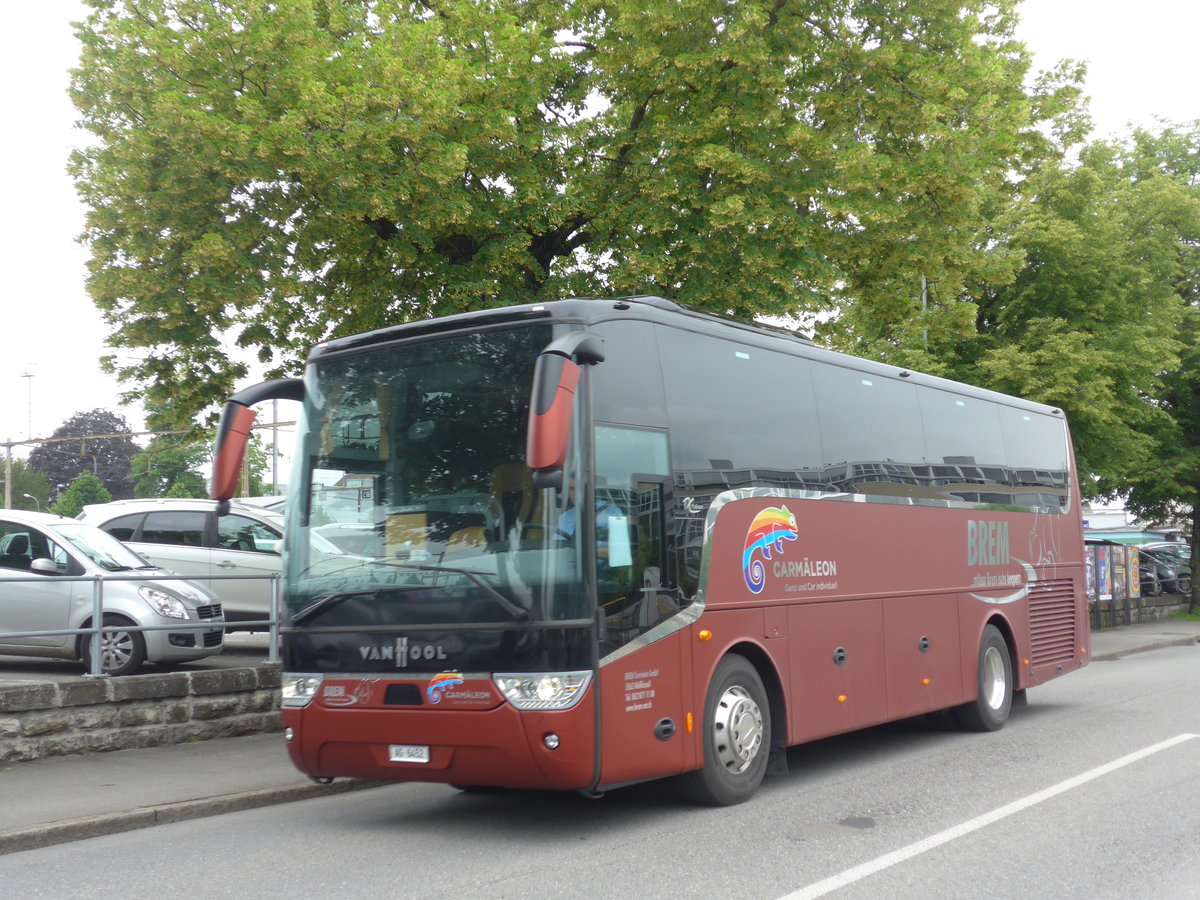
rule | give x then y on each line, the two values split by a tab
402	652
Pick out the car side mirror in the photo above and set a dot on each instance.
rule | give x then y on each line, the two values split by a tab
45	566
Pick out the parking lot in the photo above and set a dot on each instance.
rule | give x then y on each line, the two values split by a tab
241	649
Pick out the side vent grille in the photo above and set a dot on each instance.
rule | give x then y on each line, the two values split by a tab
1052	622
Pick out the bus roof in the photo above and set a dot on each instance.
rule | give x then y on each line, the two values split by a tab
588	311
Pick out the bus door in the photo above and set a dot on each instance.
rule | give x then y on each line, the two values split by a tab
641	669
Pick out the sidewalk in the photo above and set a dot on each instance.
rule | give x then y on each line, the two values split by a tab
53	801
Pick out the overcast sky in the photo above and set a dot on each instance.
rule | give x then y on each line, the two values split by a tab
1140	68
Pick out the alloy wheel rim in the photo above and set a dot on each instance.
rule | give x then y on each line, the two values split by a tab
737	729
995	680
116	649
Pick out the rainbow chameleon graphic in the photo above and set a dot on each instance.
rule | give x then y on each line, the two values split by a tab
773	525
441	683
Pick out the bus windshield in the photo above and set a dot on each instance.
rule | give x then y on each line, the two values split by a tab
413	460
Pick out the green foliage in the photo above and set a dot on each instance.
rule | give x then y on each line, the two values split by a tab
273	172
27	481
169	467
84	490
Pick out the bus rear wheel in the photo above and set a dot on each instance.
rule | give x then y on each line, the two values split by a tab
737	736
989	711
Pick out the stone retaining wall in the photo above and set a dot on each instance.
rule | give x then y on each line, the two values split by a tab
62	719
1132	610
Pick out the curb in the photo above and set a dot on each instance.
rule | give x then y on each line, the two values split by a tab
1142	648
35	836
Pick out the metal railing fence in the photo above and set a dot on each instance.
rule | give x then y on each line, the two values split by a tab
97	627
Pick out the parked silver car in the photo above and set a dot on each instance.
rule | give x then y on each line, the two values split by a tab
46	552
189	538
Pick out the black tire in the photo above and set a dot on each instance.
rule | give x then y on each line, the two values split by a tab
1185	586
989	710
121	652
736	730
1151	588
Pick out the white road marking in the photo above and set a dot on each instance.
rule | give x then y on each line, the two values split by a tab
848	877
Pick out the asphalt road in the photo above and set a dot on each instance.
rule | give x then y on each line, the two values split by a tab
1091	791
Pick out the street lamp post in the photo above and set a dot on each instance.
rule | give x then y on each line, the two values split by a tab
35	500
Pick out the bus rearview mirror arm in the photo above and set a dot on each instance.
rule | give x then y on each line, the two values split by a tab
233	433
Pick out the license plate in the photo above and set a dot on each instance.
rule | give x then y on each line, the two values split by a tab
408	753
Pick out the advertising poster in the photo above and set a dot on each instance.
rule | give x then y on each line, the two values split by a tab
1089	558
1135	572
1103	573
1116	565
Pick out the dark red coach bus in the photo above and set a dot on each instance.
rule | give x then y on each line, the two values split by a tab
604	541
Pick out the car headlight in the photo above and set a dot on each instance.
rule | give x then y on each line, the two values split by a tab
543	690
163	604
299	690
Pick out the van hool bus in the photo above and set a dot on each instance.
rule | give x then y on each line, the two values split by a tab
603	541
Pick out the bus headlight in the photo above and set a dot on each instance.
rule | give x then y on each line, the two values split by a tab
543	690
299	690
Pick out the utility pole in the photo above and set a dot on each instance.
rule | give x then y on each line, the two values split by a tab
8	474
28	376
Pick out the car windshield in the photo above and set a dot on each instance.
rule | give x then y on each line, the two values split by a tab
100	547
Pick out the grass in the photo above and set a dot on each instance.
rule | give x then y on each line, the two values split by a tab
1193	616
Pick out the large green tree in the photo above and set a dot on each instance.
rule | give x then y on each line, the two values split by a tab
1169	488
97	441
171	467
267	173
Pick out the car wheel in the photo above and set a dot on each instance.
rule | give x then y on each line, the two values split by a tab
737	736
989	711
1185	586
121	652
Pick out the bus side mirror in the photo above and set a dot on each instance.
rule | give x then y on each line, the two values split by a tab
233	434
555	381
552	403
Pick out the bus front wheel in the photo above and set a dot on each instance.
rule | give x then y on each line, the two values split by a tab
737	736
989	711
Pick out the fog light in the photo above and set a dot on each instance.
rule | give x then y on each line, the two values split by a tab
551	741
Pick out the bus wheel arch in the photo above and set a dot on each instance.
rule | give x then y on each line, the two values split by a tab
736	731
995	681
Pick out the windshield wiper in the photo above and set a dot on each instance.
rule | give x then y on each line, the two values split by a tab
518	613
324	603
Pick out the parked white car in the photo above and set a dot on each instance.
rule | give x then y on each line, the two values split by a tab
45	552
189	538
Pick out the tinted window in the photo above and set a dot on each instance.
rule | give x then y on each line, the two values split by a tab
627	387
183	528
961	430
739	414
123	528
870	429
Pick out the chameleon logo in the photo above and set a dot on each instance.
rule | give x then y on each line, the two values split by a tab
441	683
771	527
